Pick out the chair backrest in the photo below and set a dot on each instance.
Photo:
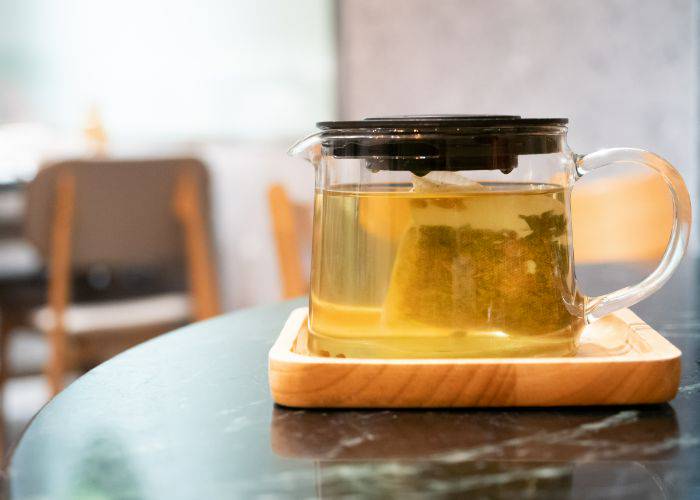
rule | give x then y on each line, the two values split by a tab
124	212
291	224
626	218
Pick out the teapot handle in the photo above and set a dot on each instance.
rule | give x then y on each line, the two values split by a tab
597	307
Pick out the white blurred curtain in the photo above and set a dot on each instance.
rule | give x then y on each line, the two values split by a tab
169	68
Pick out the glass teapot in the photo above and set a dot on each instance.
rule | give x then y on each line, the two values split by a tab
450	236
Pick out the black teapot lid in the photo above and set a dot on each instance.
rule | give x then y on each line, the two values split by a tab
423	122
423	143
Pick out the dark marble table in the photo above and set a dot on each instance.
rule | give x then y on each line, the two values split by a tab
188	415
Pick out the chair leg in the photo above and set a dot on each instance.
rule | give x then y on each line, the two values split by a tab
59	278
7	324
56	367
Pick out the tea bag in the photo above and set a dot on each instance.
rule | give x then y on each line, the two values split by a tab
474	261
421	289
444	182
445	210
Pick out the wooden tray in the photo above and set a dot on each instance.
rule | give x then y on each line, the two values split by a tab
622	360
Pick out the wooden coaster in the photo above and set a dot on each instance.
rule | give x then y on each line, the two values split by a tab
622	360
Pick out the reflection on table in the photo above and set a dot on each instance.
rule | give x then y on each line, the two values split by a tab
496	453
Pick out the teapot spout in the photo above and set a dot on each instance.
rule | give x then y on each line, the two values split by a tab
308	148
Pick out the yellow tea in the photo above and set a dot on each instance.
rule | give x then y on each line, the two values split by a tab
406	274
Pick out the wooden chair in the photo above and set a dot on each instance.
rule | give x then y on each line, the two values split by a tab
119	215
289	232
626	218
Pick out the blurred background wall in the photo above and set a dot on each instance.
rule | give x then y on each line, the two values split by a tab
625	72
